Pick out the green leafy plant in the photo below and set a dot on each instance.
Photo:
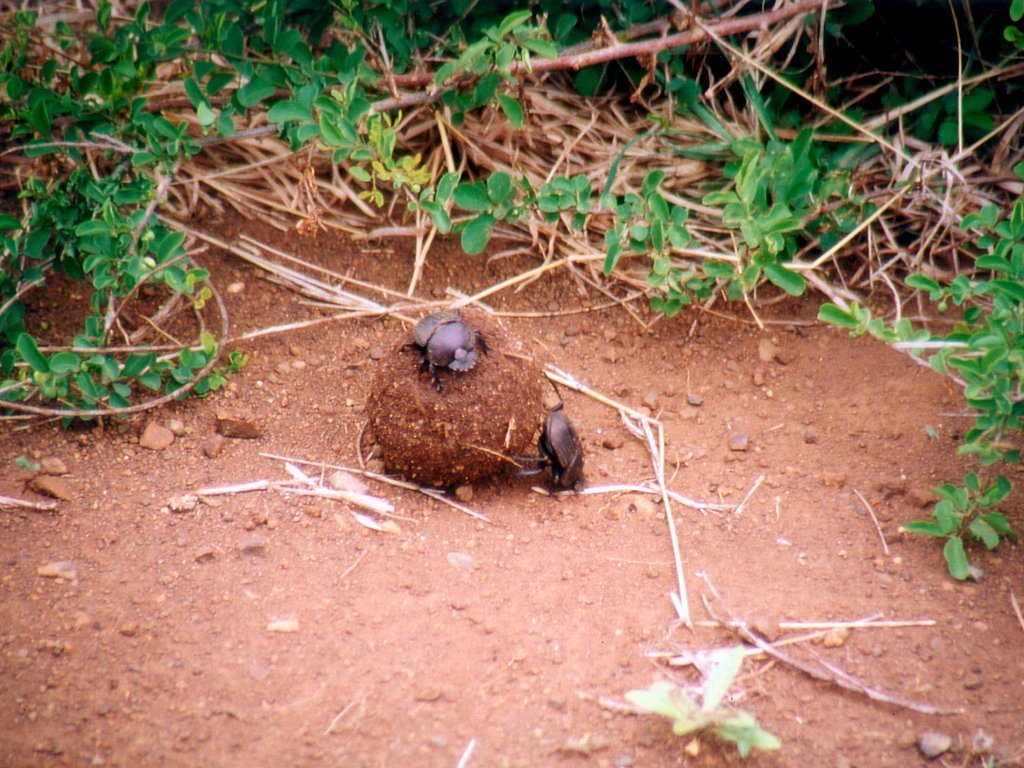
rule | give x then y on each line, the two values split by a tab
985	353
963	510
647	223
688	716
777	198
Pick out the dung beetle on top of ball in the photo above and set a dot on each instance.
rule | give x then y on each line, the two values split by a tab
446	342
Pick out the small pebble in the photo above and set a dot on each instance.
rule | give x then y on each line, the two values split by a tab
235	288
464	493
213	446
186	502
254	545
205	554
54	487
738	442
377	351
283	625
156	437
767	350
694	399
346	481
932	744
460	560
51	465
810	436
177	426
613	441
572	330
238	426
758	377
59	569
651	400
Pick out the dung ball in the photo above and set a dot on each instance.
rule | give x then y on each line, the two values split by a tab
473	427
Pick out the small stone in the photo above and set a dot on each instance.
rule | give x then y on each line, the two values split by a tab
460	560
767	350
739	442
836	637
340	480
186	502
54	487
234	425
613	441
572	330
213	446
833	480
765	626
131	629
694	399
51	465
974	573
205	554
235	288
974	682
758	377
932	744
377	351
283	625
810	436
177	426
651	400
253	545
464	493
156	437
427	694
59	569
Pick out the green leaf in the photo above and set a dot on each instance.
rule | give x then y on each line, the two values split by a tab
512	109
726	666
513	20
209	344
833	315
169	246
64	362
926	528
477	233
289	110
984	532
135	364
499	187
791	282
472	196
29	351
921	282
956	558
255	91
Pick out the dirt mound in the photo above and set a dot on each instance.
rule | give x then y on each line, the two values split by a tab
468	424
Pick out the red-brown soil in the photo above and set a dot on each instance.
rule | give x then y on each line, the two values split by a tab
445	631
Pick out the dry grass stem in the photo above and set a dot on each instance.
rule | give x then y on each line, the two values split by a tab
874	519
822	670
746	498
433	493
41	506
1016	609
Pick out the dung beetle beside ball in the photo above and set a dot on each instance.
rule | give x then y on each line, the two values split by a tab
560	449
445	341
560	445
